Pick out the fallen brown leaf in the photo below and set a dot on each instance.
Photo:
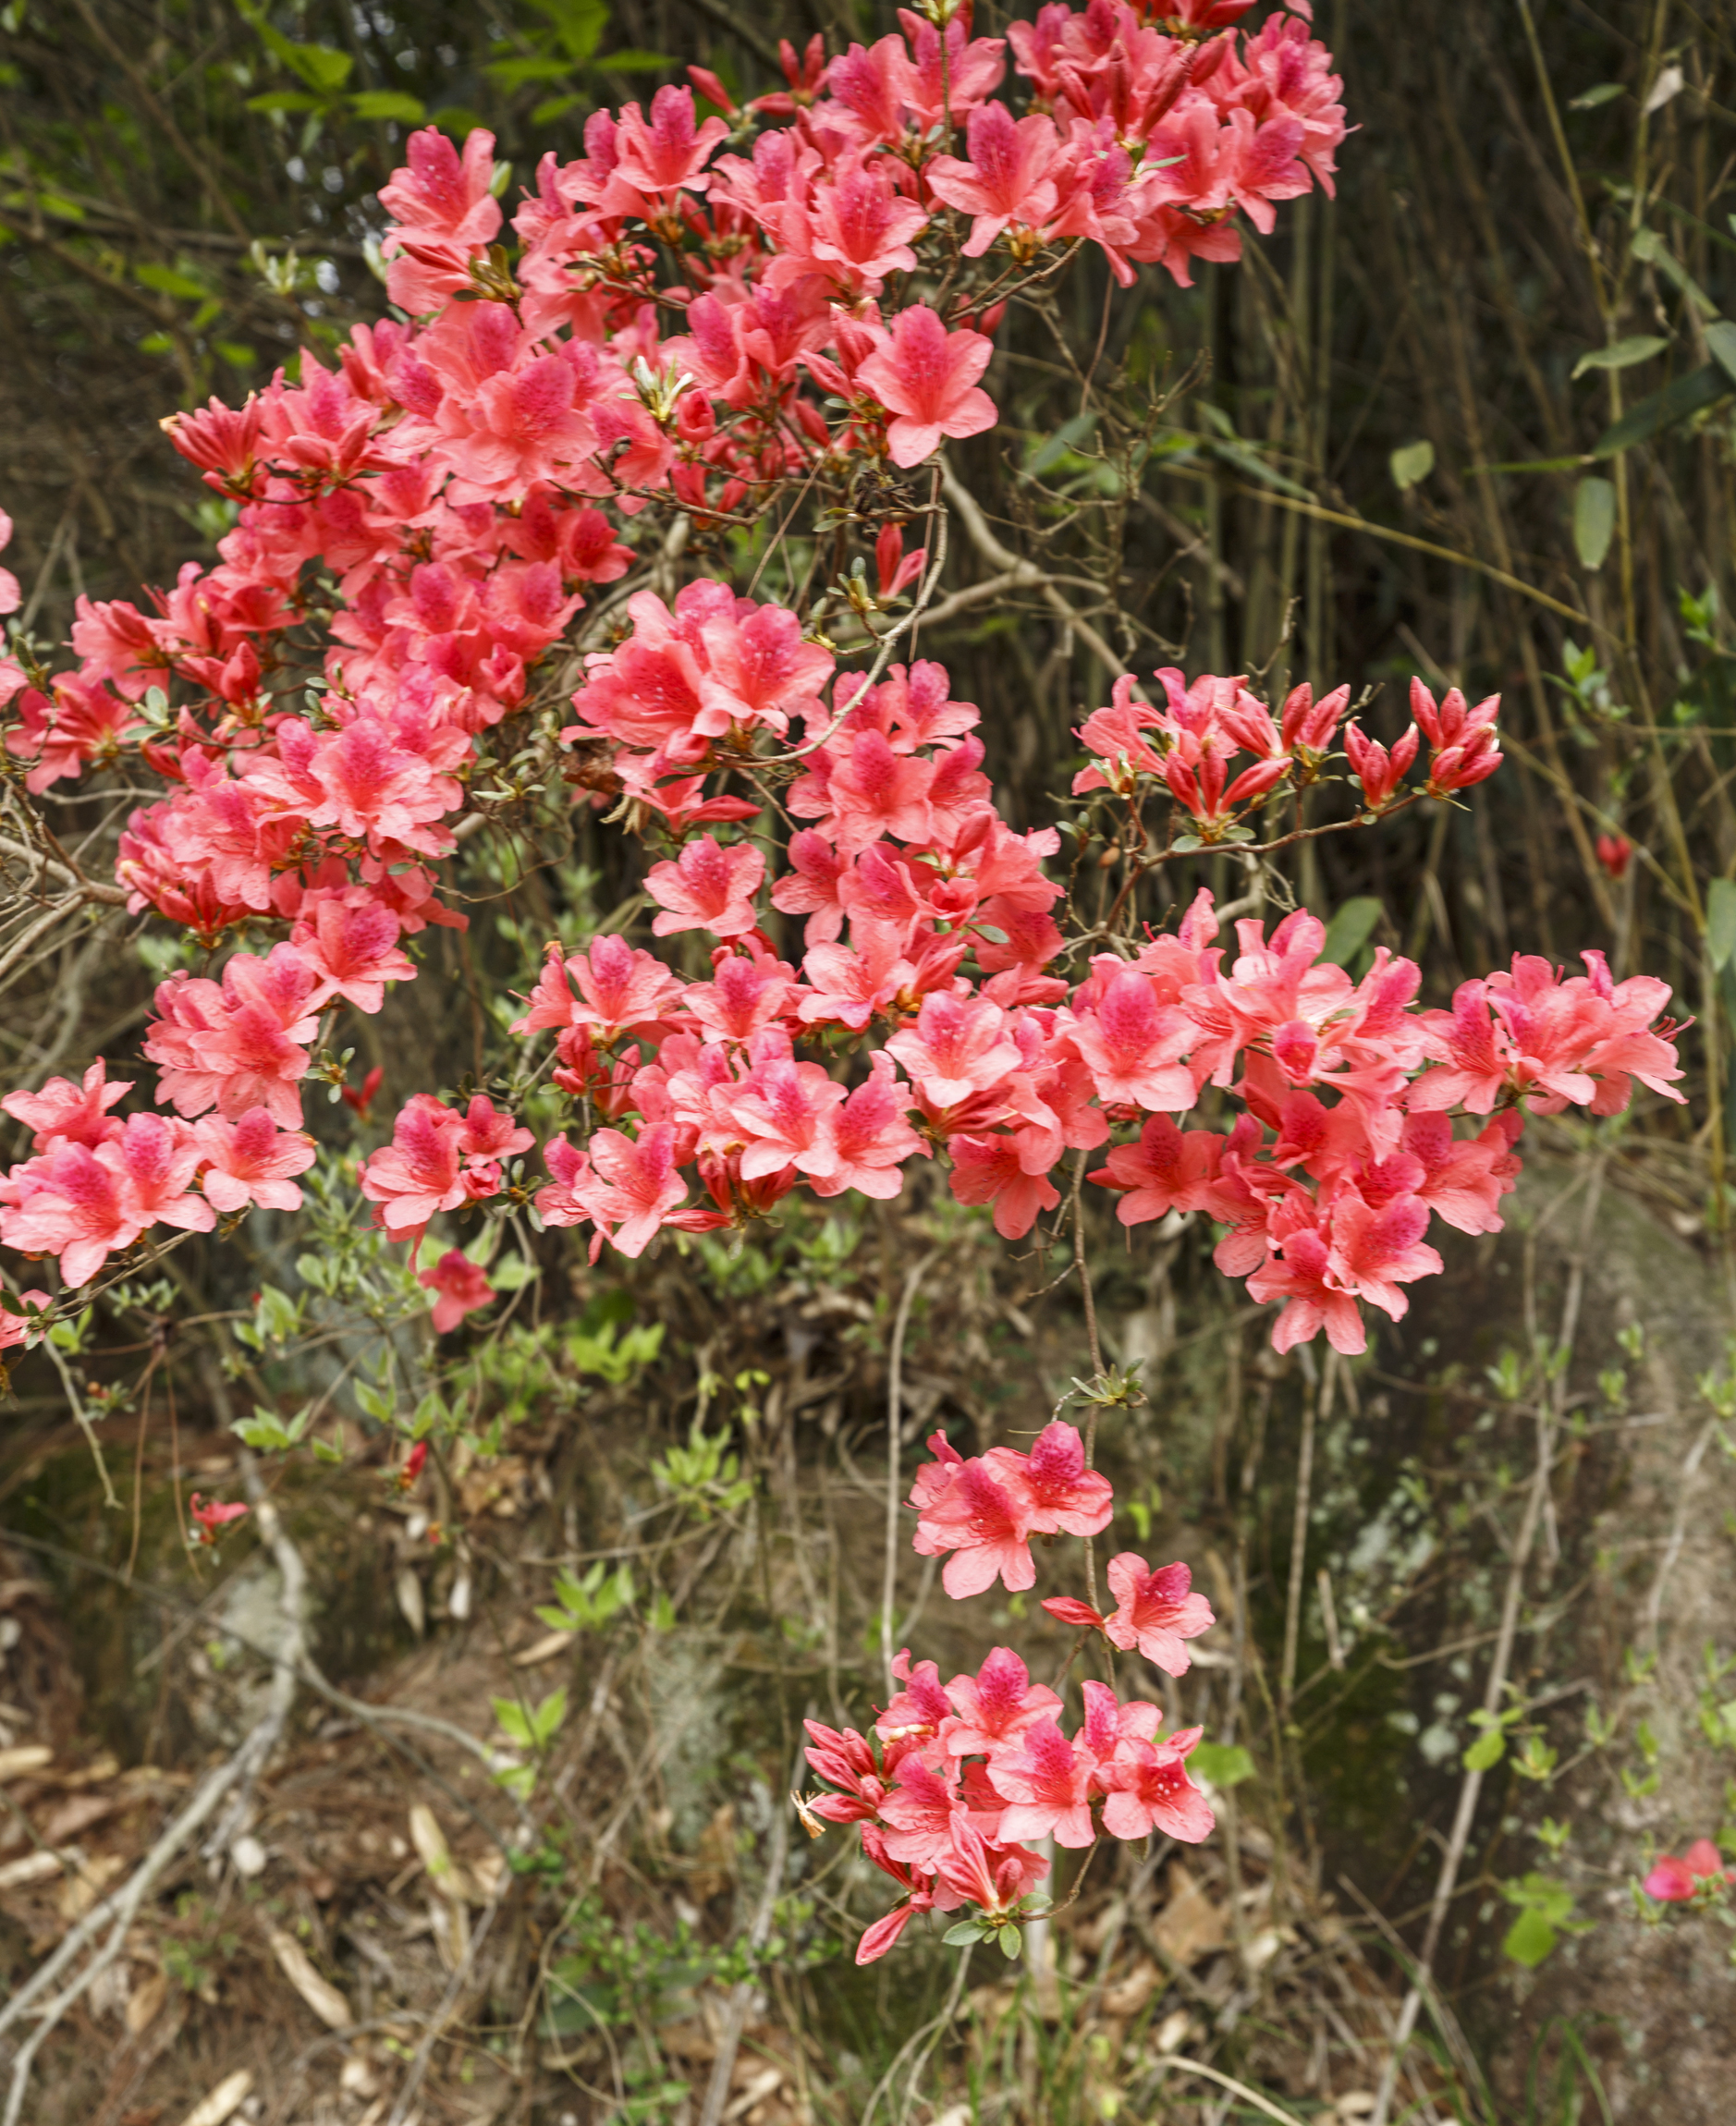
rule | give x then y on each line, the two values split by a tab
319	1992
85	1885
145	2001
1189	1926
224	2101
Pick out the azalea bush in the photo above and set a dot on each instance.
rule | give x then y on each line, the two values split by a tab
633	524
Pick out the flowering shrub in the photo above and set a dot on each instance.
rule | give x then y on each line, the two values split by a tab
709	325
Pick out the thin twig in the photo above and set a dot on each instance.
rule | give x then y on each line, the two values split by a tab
741	1993
894	1434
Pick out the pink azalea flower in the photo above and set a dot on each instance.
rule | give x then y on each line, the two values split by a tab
708	887
871	1139
926	377
11	597
1147	1790
250	1161
1169	1169
74	1114
669	153
1674	1881
17	1328
1061	1495
1005	179
419	1174
352	951
642	1184
985	1527
1156	1611
991	1170
209	1515
918	1813
921	1706
996	1705
459	1287
957	1048
1047	1788
1134	1046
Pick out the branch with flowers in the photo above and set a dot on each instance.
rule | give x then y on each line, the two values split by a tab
501	545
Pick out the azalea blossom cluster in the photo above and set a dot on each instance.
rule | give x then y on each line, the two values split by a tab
464	479
953	1782
1323	1138
1699	1874
696	314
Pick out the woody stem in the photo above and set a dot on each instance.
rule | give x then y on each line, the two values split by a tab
1083	1267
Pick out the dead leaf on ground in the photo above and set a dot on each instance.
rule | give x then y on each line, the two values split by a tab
319	1992
408	1589
757	2091
1189	1926
543	1649
77	1814
85	1884
224	2100
1174	2031
145	2001
715	1868
26	1758
446	1874
451	1926
494	1487
32	1867
1128	1994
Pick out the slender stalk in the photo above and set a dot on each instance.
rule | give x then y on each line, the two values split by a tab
894	1434
1083	1264
1319	1407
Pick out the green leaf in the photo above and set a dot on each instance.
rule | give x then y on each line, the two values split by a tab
552	107
1350	929
235	354
167	280
284	100
1527	465
1651	248
1224	1765
1721	922
515	73
633	62
1412	464
1248	461
1605	92
1486	1752
1621	353
579	24
546	1719
513	1722
966	1931
388	103
324	70
1593	521
1720	337
1687	394
1528	1940
1053	448
457	119
1011	1942
374	1403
